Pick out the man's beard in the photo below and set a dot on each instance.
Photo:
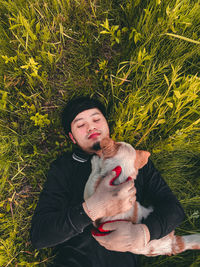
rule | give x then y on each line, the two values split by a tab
96	146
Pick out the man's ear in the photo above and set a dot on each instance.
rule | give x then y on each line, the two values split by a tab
72	138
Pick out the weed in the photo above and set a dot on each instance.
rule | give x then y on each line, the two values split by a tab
140	57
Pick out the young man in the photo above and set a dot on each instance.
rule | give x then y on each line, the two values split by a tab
63	219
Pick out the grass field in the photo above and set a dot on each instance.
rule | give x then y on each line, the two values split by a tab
142	58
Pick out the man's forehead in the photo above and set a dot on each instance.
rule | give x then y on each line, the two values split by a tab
86	113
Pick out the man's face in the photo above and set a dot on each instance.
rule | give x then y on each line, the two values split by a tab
88	128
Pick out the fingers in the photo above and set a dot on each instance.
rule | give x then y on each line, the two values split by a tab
110	225
102	230
116	172
102	239
108	233
132	190
131	202
126	186
96	232
129	198
112	176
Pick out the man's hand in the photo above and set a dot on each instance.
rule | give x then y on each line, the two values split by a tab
109	199
124	236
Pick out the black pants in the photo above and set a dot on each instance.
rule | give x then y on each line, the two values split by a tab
70	258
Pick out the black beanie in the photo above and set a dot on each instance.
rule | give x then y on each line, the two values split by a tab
77	105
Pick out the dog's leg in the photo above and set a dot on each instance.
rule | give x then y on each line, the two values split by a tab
170	245
186	242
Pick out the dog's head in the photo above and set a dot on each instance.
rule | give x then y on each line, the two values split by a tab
110	148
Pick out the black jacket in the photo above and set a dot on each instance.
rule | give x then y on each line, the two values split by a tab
59	219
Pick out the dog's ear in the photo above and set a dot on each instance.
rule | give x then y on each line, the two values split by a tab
141	158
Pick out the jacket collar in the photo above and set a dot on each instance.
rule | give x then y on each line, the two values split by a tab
80	155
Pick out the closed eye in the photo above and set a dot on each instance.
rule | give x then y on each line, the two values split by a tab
79	126
96	120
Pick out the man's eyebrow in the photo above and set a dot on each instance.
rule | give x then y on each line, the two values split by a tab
77	120
96	113
93	114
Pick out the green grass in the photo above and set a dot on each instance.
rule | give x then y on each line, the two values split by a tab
141	57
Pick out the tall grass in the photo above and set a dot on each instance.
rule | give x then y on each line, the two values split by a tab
140	57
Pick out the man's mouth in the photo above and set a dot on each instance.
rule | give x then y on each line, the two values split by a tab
93	135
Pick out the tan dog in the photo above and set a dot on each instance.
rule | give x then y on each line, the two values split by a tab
131	160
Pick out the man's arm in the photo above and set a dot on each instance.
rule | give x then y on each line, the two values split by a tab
56	220
168	212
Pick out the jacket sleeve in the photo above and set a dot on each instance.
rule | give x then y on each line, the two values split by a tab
168	212
55	220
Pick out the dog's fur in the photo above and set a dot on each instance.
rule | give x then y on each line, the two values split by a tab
131	160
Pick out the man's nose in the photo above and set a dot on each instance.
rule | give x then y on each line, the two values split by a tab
91	127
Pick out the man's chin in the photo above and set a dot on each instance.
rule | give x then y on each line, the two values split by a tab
96	146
